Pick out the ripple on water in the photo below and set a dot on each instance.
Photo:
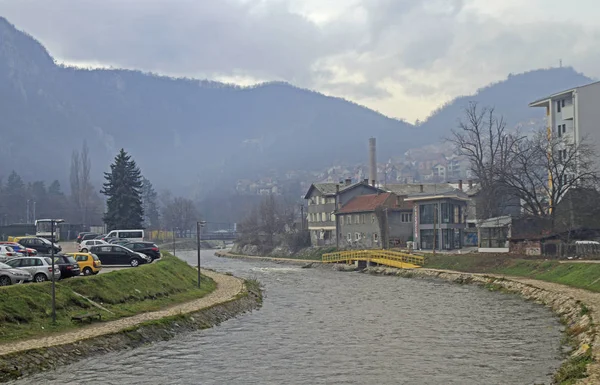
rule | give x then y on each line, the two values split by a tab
323	327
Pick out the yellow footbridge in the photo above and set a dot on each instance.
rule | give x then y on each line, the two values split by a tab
380	257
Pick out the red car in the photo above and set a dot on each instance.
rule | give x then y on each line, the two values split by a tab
17	247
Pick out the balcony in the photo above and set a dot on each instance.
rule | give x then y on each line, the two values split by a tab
567	112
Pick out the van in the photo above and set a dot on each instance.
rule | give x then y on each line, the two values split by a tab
131	235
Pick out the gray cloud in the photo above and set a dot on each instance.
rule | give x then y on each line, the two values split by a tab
430	49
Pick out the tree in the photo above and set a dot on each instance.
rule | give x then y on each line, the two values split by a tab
543	168
482	138
123	187
180	213
15	198
81	187
150	205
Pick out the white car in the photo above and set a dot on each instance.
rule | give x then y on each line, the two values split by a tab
7	252
84	246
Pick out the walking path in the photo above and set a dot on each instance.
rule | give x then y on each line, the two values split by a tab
227	288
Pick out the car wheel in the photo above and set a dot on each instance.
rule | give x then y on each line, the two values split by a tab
84	250
134	262
40	277
87	271
5	281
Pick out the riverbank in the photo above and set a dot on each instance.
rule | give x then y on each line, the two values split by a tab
577	307
290	261
231	297
25	309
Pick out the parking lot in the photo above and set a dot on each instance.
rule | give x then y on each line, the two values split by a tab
71	247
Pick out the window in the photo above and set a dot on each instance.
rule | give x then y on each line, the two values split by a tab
357	236
375	237
324	217
372	218
348	219
426	213
357	219
406	217
558	106
332	217
362	218
566	179
562	102
349	238
559	131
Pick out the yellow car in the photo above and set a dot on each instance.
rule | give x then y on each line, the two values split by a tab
88	263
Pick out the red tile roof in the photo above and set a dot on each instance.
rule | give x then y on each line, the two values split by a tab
364	203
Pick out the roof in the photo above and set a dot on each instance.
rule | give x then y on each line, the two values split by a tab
363	203
329	189
408	188
496	222
544	101
453	194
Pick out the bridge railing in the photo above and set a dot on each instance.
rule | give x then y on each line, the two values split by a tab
351	255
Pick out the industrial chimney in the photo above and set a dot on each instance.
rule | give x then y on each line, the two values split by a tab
372	161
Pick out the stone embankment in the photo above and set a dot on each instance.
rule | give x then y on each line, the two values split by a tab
233	296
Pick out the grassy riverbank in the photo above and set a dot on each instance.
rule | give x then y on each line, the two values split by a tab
580	275
25	310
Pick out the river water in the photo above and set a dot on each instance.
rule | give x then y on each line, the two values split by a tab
323	327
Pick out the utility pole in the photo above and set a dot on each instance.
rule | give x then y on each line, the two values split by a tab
199	226
434	226
52	224
27	212
34	211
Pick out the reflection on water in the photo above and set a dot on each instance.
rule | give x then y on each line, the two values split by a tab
324	327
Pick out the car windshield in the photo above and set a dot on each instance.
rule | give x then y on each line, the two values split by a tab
71	260
5	266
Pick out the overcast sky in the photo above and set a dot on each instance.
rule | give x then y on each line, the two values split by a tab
403	58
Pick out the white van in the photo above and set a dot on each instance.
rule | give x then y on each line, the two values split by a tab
130	235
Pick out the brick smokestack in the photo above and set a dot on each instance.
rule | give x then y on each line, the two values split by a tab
372	161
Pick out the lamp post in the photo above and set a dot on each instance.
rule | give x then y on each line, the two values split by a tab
52	222
199	226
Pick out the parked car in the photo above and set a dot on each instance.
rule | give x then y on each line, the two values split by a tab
120	241
100	236
87	236
40	268
119	255
20	248
68	266
9	275
148	248
110	239
84	246
41	245
80	236
88	263
7	252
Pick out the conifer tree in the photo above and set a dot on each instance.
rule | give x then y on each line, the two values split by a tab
123	187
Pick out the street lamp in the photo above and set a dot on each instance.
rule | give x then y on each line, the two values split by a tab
199	226
52	222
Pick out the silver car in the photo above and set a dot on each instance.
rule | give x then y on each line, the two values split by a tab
10	275
40	268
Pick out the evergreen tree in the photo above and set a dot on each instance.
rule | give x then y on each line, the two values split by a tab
123	187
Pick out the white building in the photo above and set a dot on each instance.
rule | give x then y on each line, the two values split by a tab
574	113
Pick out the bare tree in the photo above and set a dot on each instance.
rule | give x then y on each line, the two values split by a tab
180	213
543	168
483	139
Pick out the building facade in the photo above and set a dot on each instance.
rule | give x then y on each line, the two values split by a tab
573	114
374	221
439	219
323	199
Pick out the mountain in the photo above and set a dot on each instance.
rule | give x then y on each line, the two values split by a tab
509	97
183	133
193	135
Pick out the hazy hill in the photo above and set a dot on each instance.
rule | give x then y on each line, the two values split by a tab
510	97
179	130
189	135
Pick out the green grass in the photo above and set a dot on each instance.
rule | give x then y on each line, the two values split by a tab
580	275
25	310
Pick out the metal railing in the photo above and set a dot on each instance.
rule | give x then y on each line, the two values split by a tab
383	257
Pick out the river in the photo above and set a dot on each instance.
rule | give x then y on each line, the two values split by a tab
318	326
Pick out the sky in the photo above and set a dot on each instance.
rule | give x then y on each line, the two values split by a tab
403	58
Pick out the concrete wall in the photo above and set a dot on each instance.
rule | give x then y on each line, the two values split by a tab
587	114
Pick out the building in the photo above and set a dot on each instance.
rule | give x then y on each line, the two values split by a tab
439	219
374	221
323	200
574	113
494	234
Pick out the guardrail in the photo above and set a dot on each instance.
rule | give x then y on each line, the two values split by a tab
382	257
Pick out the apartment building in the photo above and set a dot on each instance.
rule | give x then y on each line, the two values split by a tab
574	114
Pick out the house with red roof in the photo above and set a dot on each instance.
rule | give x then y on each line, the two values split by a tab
374	221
